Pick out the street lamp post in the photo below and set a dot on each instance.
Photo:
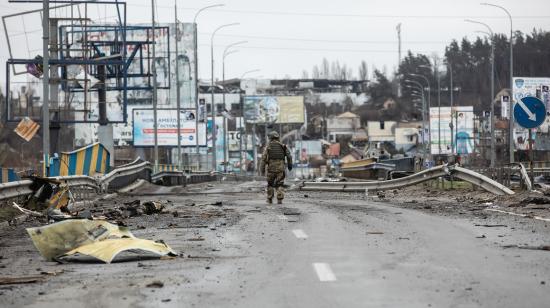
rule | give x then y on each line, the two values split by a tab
429	106
511	105
418	86
255	148
226	53
197	86
491	35
154	97
212	92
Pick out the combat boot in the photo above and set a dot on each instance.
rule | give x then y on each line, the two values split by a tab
269	200
279	201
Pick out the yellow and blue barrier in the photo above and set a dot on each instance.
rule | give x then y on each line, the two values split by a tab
89	160
8	175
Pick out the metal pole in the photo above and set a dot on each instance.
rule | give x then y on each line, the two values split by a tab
155	124
493	145
45	87
178	94
511	103
439	109
492	116
429	106
452	105
212	93
197	86
197	95
224	119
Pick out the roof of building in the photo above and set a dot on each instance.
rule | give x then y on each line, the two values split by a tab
348	115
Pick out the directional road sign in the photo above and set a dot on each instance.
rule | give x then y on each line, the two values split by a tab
530	112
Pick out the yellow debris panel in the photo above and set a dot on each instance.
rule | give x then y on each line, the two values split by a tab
107	250
59	238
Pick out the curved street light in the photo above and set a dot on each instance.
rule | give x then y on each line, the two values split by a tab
511	104
249	72
429	106
412	84
491	35
226	52
195	58
212	91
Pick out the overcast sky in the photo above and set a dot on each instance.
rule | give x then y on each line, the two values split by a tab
287	36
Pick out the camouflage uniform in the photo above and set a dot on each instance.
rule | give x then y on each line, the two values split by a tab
274	158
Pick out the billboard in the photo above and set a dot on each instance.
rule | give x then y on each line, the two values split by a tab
462	118
536	87
274	109
463	122
167	132
440	130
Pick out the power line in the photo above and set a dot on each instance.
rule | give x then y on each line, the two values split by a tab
322	40
258	12
318	49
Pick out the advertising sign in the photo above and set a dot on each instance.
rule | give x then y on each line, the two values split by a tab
536	87
167	132
274	109
441	131
463	121
462	118
532	86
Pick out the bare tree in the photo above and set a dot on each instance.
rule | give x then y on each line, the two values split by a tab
315	74
363	71
325	68
305	74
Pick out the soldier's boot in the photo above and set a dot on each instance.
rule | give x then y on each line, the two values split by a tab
269	200
279	201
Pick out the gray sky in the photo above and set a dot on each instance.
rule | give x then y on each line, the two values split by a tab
287	36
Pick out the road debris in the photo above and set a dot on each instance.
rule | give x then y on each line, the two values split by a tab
155	284
152	207
541	247
107	250
490	226
21	280
95	238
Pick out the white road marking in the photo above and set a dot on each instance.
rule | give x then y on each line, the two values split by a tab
324	272
282	217
299	233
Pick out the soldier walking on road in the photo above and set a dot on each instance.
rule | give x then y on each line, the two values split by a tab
274	158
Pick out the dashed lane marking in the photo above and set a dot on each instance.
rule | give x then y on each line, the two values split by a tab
324	272
299	233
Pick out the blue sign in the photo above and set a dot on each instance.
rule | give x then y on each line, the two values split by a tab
529	112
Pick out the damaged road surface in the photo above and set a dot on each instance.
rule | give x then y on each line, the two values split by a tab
233	250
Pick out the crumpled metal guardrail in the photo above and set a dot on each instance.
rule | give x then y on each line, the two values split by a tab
425	175
126	171
21	188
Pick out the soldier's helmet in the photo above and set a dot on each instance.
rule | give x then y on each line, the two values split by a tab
273	135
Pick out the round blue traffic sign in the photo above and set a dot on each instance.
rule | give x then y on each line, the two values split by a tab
529	112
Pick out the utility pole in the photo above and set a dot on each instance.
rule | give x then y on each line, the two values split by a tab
178	94
155	124
511	103
45	86
399	58
451	88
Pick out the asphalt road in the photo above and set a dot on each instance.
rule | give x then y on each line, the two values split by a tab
324	250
